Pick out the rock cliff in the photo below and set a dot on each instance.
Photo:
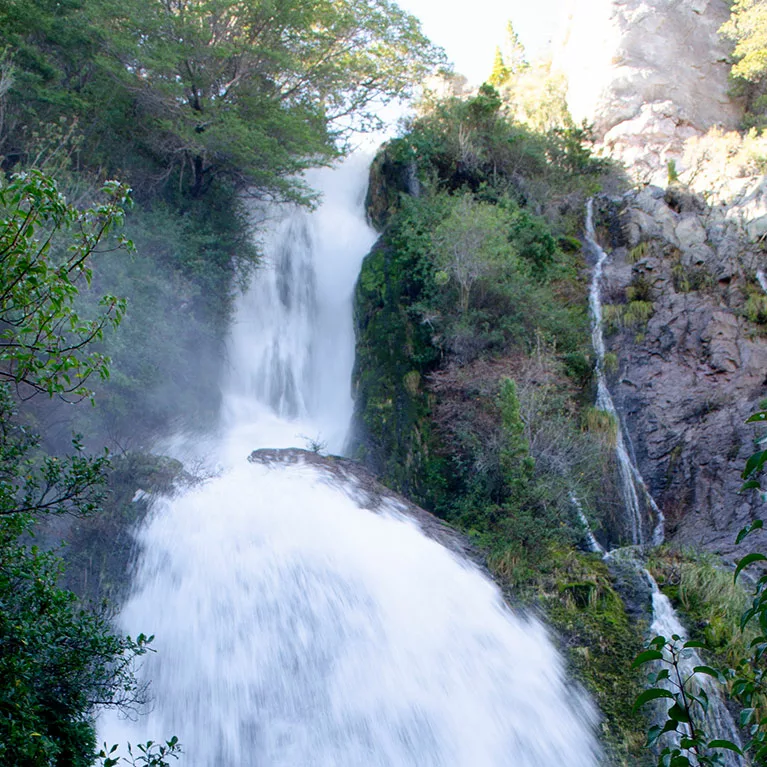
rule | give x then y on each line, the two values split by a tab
649	74
688	320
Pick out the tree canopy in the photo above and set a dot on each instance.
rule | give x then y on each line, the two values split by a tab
247	91
747	27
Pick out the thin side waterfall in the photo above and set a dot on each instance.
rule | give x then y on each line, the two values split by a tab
761	279
718	720
633	486
594	546
296	628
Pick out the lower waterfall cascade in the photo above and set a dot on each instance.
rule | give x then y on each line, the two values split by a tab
718	719
295	628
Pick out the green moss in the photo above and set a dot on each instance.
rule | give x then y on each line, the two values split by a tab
640	251
599	639
631	315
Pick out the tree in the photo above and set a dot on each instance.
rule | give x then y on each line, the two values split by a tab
470	244
747	28
500	73
516	462
57	659
256	90
514	53
43	338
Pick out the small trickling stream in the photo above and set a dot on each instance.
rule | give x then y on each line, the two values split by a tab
665	621
633	487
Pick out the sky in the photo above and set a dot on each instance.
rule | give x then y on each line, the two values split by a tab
469	30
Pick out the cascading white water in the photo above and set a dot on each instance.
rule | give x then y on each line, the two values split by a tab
718	720
665	621
632	483
594	546
761	279
296	629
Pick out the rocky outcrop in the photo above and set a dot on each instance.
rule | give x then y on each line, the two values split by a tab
649	74
688	377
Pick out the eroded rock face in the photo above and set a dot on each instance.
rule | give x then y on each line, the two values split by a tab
689	377
649	74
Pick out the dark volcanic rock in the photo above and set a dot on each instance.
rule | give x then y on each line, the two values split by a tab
689	377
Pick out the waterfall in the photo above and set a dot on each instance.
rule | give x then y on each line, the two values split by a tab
761	279
296	628
593	544
718	720
665	621
633	486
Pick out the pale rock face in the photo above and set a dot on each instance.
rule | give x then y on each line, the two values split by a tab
649	74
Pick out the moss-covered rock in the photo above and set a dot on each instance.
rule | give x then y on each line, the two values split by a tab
99	548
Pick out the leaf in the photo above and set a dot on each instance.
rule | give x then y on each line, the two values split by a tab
646	657
678	714
694	643
652	694
710	672
754	464
749	559
746	716
652	736
757	524
759	417
728	744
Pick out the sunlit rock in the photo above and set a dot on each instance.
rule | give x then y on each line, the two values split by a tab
649	74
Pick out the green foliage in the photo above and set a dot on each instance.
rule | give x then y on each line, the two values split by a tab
203	90
500	72
149	754
470	144
632	315
43	335
58	661
517	464
471	244
755	309
638	252
672	173
691	278
34	483
747	27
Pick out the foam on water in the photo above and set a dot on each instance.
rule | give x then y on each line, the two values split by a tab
296	629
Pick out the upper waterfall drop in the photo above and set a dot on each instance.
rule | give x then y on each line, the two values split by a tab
292	341
295	626
633	486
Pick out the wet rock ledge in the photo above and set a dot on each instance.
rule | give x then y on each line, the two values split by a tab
362	487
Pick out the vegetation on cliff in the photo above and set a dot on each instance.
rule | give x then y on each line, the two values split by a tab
474	371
